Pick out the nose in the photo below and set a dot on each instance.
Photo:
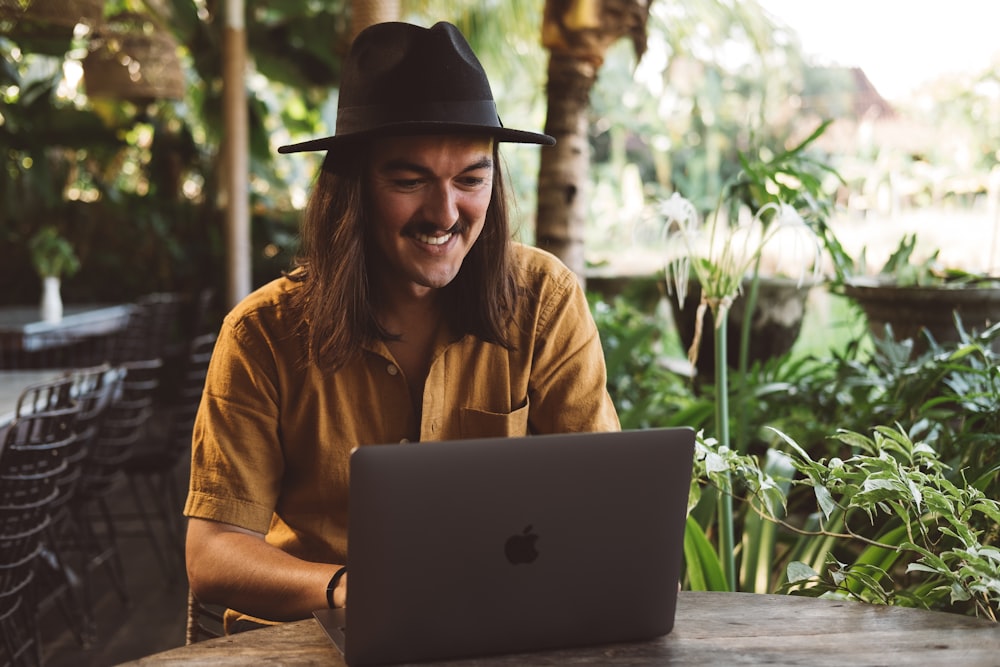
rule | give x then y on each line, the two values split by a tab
441	205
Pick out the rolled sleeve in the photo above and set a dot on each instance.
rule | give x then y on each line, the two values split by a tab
568	387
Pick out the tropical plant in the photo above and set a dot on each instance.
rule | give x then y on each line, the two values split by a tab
889	508
904	268
721	252
646	390
794	182
841	446
52	255
720	257
795	177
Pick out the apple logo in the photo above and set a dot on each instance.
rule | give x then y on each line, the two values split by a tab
520	548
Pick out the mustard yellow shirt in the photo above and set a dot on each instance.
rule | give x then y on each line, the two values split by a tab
272	439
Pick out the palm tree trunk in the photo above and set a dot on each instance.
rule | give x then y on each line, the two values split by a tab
563	178
577	34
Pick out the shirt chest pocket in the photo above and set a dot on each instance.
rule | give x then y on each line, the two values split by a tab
483	424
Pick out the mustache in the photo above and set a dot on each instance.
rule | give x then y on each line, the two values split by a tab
429	228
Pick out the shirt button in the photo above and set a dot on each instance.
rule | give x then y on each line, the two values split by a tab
391	369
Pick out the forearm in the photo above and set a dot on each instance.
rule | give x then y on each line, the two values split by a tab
238	569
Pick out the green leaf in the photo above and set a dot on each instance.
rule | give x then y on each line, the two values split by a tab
825	500
881	558
920	567
856	440
797	571
758	544
704	570
959	594
988	507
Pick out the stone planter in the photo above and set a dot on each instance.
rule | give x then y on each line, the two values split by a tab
776	323
911	310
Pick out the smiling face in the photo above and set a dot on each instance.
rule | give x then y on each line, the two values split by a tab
428	196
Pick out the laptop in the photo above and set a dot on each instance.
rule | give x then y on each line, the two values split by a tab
490	546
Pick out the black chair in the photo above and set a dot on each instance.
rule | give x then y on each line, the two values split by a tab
35	458
121	427
152	468
93	390
63	553
18	624
203	621
152	326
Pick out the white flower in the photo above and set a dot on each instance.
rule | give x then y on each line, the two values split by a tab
678	210
681	227
724	253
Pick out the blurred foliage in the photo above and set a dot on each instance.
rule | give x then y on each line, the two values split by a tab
646	390
134	185
822	428
723	82
52	255
904	268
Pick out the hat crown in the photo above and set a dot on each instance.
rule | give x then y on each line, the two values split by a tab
402	78
400	63
398	73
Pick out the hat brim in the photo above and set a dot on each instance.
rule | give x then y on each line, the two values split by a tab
498	133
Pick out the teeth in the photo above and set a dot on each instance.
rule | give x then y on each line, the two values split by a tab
433	240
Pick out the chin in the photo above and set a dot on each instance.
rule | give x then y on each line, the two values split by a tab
436	277
436	282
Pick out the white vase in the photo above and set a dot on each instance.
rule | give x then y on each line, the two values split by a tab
52	306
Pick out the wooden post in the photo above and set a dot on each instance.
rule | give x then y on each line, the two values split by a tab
369	12
236	155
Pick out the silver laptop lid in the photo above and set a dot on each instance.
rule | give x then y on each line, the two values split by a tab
478	547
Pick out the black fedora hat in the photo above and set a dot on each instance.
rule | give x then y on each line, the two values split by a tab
404	79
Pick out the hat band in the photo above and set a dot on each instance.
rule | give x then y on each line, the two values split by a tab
351	120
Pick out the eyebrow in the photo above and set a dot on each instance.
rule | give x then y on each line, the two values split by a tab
401	164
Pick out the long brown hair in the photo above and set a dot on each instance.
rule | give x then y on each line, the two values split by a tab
335	260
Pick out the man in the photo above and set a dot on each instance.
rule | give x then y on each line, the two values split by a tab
411	316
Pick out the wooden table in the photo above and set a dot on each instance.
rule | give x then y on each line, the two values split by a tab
710	629
23	334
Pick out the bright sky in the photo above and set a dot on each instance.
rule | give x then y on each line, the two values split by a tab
898	43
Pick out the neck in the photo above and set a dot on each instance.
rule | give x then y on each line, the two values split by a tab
404	309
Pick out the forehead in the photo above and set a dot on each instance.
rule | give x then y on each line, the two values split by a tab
422	149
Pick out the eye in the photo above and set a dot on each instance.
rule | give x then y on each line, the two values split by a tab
472	181
406	183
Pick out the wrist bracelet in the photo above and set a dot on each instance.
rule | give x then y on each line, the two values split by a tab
332	586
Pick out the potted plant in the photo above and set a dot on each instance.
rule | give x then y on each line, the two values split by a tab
911	299
53	257
760	192
720	253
